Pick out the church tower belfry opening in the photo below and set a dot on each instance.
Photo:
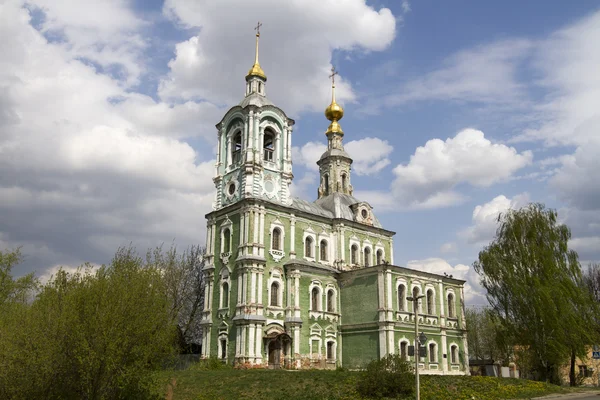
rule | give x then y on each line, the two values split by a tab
335	163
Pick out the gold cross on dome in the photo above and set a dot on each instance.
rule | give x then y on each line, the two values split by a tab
257	29
332	76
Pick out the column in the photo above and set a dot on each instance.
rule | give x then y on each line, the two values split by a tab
444	351
255	236
208	332
238	341
260	288
251	344
258	344
244	287
246	230
240	281
297	293
292	236
261	231
253	287
392	251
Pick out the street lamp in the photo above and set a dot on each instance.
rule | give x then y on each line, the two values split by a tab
418	340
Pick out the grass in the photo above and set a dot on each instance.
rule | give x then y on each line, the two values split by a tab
226	384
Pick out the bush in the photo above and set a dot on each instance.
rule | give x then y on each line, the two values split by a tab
389	377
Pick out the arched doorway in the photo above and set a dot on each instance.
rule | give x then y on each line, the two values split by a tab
279	347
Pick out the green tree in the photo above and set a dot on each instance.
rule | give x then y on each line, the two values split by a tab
534	286
486	336
14	290
184	285
92	334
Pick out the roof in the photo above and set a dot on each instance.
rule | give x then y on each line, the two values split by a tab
339	205
335	153
255	99
316	265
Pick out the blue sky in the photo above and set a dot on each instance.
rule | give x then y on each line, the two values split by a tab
455	111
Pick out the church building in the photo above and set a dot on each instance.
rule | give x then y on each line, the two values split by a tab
292	283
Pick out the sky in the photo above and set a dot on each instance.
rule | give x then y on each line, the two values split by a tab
454	113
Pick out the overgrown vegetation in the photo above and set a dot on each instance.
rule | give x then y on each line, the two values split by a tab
101	333
389	377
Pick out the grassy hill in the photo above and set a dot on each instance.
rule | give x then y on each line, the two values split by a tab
226	384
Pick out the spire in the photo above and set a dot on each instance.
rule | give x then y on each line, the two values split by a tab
256	70
334	112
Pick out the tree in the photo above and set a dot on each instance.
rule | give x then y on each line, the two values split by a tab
14	290
91	334
485	336
184	285
534	286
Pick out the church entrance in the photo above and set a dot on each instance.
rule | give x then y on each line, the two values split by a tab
278	348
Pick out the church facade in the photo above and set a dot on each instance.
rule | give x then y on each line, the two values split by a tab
298	284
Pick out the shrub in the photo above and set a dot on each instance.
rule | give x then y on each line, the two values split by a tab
389	377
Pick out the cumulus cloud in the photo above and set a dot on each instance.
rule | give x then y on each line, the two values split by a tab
474	293
435	169
87	164
369	155
449	247
485	217
226	39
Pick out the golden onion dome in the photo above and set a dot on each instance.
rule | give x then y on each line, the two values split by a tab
334	112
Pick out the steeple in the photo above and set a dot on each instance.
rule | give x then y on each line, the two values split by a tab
335	163
256	78
256	70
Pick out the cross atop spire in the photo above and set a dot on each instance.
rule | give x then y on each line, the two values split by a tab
257	29
332	76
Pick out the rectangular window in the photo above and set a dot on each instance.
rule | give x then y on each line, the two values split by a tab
223	348
403	354
268	154
330	355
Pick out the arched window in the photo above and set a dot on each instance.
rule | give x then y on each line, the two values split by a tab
223	348
454	354
323	248
237	148
269	143
367	253
308	245
432	352
344	184
314	299
451	310
330	300
276	242
404	350
274	294
430	302
225	295
354	254
326	184
401	297
226	240
379	256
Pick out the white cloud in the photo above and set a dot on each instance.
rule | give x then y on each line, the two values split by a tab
429	179
103	31
474	293
483	74
369	155
449	247
485	217
308	155
299	78
87	164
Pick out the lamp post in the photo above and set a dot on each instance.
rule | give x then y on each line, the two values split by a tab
415	300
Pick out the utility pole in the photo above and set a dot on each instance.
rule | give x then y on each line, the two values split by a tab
415	301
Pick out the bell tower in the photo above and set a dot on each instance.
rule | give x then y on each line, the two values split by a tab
335	163
254	151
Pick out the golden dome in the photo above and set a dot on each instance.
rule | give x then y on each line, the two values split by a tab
334	112
256	70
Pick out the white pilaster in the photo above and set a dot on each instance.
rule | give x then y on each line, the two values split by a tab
253	287
251	343
292	236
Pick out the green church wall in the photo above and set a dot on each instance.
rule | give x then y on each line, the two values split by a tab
360	348
359	298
